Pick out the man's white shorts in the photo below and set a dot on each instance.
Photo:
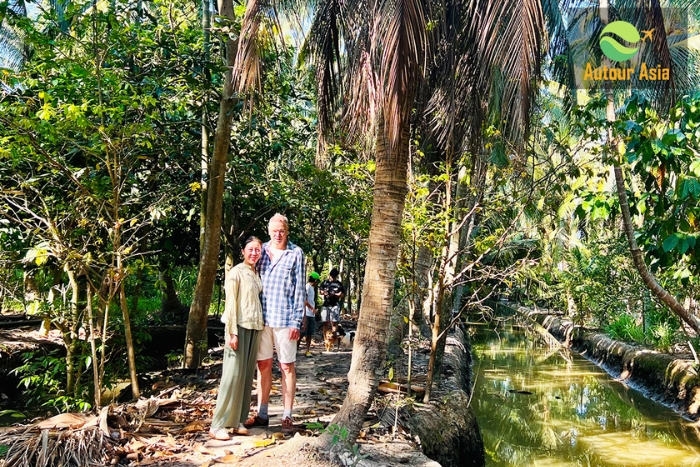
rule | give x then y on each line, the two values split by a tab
277	339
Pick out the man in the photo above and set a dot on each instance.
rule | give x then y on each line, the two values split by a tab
308	327
332	291
282	270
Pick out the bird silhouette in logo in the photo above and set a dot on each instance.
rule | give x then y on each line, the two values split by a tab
647	34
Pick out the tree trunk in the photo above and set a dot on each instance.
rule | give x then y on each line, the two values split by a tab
206	45
130	353
120	276
348	296
370	346
423	275
443	305
637	257
358	281
97	383
70	333
170	300
648	279
196	340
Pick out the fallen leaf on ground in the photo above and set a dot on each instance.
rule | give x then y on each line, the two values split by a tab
194	426
227	459
64	420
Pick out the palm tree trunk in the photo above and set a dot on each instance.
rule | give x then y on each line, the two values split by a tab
196	340
370	346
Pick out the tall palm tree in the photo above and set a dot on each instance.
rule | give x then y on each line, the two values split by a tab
383	56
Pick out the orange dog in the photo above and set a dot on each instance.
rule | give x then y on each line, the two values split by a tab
331	338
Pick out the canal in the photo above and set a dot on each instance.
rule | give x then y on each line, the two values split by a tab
539	406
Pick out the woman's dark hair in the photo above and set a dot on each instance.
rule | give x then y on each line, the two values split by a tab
250	239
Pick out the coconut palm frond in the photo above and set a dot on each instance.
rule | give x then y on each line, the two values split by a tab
559	52
11	49
12	53
443	104
403	45
653	18
323	46
685	58
512	47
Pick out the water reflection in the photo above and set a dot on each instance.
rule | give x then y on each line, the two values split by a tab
547	407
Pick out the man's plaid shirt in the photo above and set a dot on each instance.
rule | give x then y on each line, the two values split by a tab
284	287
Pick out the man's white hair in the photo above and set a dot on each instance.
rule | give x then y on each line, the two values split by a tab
278	218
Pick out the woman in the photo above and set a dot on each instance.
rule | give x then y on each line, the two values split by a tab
243	319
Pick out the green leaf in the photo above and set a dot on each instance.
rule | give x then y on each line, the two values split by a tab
688	242
670	242
695	167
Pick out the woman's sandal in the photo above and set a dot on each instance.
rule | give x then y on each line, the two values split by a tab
221	434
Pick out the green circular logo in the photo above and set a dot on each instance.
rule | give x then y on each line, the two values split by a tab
612	48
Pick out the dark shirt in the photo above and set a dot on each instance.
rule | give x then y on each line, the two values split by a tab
331	287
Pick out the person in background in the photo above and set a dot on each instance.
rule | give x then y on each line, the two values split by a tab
282	270
243	320
308	327
332	291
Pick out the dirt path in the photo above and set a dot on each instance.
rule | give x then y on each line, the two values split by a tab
169	425
321	386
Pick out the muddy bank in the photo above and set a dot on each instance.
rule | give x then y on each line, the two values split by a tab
664	378
447	427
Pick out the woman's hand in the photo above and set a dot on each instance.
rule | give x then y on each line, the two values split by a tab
233	341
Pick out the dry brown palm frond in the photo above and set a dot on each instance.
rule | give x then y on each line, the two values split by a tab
323	46
362	101
36	447
247	66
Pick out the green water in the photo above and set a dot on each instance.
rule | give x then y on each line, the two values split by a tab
576	414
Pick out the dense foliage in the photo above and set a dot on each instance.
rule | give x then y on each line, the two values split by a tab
103	174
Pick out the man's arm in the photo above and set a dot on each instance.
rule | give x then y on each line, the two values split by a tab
299	290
